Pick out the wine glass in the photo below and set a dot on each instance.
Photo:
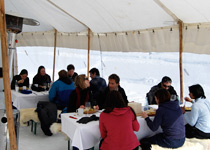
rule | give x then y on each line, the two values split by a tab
87	106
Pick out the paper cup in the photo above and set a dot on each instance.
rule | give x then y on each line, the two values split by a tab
16	88
80	111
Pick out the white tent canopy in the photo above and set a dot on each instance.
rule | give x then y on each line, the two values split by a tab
116	25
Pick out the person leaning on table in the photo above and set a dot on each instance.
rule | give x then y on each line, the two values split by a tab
41	80
21	79
198	119
80	95
114	85
169	116
117	124
164	84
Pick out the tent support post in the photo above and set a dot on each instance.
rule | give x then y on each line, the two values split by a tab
6	78
88	67
180	58
55	45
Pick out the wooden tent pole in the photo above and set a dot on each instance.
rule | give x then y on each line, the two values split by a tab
180	58
6	78
55	45
88	67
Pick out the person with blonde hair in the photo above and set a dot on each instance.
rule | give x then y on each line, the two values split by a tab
80	95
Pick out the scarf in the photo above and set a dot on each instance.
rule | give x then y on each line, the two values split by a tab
78	97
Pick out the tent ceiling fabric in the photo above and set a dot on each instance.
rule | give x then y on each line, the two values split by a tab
118	15
119	25
49	16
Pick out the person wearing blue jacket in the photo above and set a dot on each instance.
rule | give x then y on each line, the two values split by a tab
198	120
169	116
61	89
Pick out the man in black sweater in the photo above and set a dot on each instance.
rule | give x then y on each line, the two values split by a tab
114	84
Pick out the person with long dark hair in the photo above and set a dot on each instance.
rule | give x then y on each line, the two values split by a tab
169	116
117	124
41	80
198	120
21	79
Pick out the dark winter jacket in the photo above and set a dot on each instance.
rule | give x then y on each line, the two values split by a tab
16	79
41	81
73	77
47	113
102	97
151	94
97	85
77	98
169	116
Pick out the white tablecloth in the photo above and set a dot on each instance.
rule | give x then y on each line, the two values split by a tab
85	136
28	100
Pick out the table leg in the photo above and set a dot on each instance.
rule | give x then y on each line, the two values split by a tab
32	125
69	144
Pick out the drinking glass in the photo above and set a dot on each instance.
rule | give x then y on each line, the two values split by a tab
87	106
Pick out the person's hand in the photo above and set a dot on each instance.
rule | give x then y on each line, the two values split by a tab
82	106
188	99
144	115
96	107
183	109
20	81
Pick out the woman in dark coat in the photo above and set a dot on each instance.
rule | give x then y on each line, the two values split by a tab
80	95
20	80
41	80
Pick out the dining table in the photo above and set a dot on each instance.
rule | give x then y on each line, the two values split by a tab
86	136
22	101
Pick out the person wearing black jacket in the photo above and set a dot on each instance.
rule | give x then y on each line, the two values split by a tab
41	80
21	79
164	84
114	84
71	73
80	95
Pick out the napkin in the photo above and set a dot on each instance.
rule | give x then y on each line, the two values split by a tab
26	92
85	120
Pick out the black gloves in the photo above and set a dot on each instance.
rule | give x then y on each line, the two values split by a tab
85	120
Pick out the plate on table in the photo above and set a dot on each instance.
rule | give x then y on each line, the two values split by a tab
91	111
187	108
21	88
150	112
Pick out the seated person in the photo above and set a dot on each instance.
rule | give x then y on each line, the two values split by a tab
169	117
61	89
198	119
164	84
97	83
114	84
21	79
71	73
80	95
41	80
117	124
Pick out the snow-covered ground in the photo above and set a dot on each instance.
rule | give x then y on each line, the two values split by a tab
138	71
